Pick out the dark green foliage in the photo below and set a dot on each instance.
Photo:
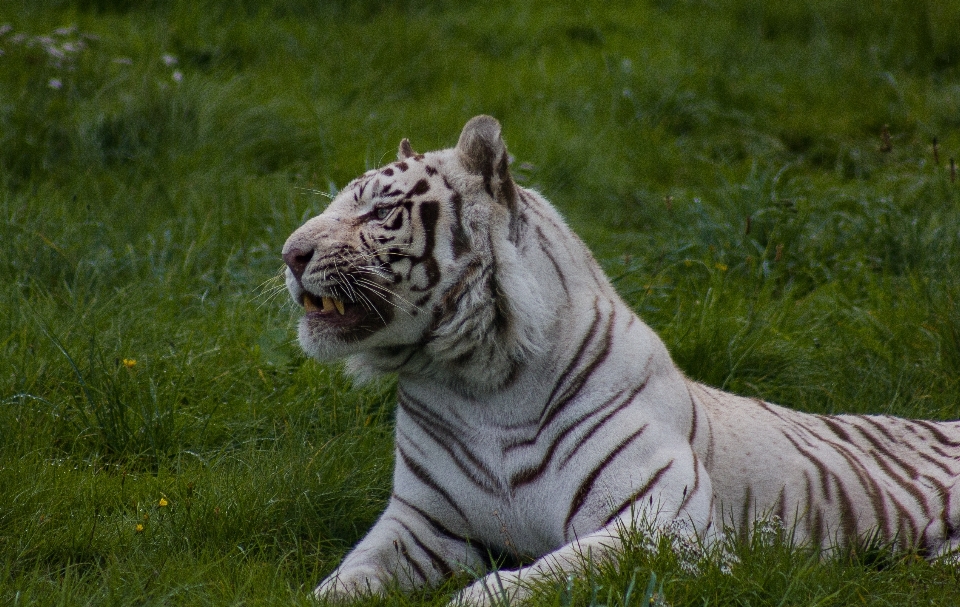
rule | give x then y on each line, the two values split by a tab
759	178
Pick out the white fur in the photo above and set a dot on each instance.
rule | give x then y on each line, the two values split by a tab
506	452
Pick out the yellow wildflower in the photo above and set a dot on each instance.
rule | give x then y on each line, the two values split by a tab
129	362
139	527
721	266
163	502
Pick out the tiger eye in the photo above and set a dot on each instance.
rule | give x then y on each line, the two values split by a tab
382	212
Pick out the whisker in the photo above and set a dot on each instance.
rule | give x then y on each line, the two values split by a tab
270	289
369	305
373	271
380	291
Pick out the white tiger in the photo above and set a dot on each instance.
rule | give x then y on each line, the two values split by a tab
537	413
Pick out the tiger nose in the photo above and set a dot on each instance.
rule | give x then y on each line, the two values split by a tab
297	260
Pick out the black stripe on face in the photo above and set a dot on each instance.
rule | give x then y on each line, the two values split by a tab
396	223
459	239
429	215
421	187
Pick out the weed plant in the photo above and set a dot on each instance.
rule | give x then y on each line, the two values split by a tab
772	185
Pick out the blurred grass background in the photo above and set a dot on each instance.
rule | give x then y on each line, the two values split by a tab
761	180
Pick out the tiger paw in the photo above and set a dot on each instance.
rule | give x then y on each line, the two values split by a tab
500	588
348	586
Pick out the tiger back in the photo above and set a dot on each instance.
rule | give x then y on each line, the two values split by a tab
538	415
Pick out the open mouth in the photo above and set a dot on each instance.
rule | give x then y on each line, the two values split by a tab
326	305
332	312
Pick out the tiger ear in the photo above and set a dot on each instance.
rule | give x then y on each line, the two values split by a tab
406	150
482	152
481	147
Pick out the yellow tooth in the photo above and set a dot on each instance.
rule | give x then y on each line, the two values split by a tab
327	304
308	305
339	305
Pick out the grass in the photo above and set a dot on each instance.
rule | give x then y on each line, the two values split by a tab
760	179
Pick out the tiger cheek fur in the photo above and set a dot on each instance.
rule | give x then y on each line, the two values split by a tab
538	415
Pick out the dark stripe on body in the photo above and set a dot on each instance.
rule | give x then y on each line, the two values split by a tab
587	485
429	423
442	567
424	477
688	495
438	527
639	494
531	474
555	403
593	429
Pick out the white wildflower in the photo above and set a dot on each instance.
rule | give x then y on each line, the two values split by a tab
169	60
55	83
768	530
65	31
5	29
54	52
177	75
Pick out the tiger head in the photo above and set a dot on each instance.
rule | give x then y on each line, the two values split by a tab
414	267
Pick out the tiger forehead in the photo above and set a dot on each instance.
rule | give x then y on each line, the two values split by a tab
398	181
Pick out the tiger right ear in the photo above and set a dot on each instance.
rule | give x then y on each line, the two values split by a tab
482	152
406	150
481	149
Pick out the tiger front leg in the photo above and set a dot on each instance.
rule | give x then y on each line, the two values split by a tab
677	502
513	587
405	549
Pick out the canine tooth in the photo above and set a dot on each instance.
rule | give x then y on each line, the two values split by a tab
327	304
308	305
339	305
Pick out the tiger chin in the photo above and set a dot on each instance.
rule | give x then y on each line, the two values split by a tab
538	415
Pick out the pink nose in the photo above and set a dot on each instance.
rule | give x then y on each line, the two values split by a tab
297	260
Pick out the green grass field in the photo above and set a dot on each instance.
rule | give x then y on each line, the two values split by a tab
759	177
